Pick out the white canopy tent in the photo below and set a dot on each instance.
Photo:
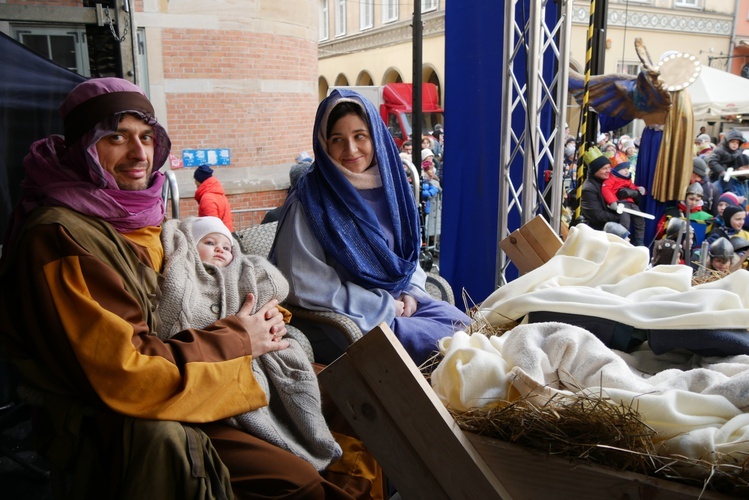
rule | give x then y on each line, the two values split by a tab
717	93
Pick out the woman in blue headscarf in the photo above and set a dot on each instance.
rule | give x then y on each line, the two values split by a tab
348	238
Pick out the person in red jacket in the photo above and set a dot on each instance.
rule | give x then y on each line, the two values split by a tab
619	188
211	197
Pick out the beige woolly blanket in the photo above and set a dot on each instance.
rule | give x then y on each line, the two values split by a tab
194	295
695	404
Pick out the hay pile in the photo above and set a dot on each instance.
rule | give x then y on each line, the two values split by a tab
594	429
589	428
704	275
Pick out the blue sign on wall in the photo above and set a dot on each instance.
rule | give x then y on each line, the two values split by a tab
212	157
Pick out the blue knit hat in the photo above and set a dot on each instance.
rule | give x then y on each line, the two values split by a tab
202	173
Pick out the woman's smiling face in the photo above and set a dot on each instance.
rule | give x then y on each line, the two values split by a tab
350	143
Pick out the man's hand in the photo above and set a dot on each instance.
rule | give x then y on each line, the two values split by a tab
265	328
405	306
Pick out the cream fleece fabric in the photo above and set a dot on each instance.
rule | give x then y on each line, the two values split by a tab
600	275
696	404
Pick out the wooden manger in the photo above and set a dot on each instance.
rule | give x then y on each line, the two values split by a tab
421	449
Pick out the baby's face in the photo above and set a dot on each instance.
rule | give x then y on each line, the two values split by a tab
215	248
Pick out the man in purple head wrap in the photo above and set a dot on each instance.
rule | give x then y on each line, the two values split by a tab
79	280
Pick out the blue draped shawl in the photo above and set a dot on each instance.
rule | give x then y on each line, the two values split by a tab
344	223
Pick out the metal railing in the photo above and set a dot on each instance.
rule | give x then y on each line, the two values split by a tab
170	192
248	217
433	225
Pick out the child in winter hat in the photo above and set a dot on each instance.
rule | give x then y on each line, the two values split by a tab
202	173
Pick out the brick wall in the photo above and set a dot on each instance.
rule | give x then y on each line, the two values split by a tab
260	127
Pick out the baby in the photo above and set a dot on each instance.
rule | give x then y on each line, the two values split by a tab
214	248
207	277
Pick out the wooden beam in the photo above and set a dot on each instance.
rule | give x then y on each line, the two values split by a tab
48	14
390	405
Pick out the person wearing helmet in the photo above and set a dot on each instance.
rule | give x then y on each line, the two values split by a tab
741	249
678	230
720	255
663	252
691	205
710	193
740	245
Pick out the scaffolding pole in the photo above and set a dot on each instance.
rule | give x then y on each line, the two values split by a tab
536	56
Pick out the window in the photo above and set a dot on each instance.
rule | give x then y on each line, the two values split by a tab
427	5
628	68
366	14
688	3
324	21
340	17
142	60
66	46
389	11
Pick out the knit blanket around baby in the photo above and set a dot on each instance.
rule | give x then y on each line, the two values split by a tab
194	295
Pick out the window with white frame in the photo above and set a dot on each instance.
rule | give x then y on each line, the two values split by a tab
324	21
366	14
142	59
389	11
428	5
340	17
628	68
688	3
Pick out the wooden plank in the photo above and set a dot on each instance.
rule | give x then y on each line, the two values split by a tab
49	14
541	237
531	245
417	414
373	425
520	252
528	473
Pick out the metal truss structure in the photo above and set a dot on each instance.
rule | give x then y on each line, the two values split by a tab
534	97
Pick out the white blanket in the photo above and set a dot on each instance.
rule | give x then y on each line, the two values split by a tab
695	412
597	274
696	405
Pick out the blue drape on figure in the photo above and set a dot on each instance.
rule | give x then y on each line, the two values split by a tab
647	156
609	123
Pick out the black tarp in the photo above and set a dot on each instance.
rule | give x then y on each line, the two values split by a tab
31	90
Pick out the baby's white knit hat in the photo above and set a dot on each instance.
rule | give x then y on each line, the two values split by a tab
203	226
